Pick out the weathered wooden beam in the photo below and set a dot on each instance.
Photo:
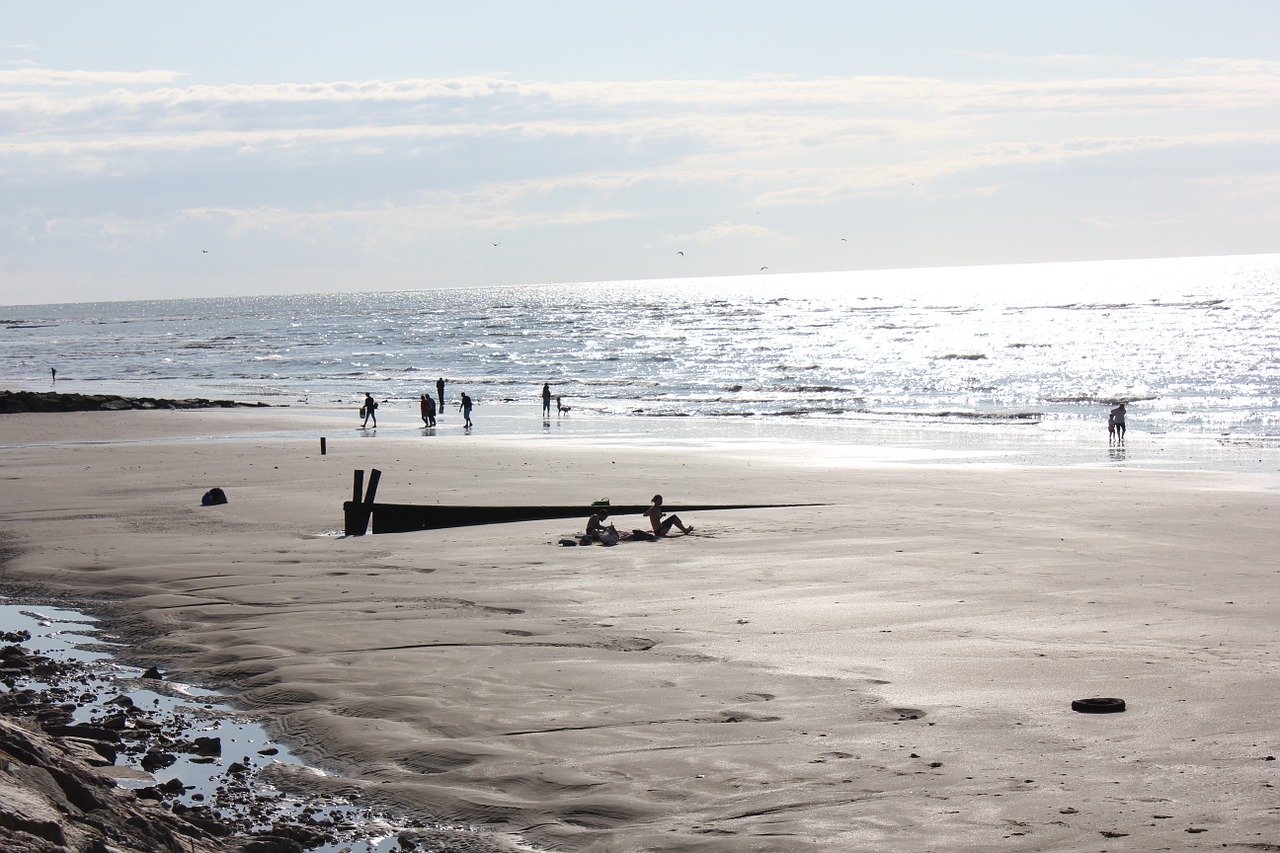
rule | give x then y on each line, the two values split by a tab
404	518
357	511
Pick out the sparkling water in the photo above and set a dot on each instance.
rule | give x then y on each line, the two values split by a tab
1192	344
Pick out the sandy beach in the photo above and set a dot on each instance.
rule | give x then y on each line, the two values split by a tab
891	670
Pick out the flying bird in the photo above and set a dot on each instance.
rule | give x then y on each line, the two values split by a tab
762	269
681	254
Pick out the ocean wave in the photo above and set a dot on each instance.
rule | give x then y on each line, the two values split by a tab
1086	399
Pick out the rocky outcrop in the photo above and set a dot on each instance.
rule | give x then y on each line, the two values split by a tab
13	402
52	800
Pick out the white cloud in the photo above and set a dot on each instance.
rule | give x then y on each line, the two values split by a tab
30	75
739	231
390	169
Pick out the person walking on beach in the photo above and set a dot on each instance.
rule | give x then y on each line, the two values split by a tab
661	526
465	405
546	400
1111	428
428	407
440	393
1117	415
367	410
53	373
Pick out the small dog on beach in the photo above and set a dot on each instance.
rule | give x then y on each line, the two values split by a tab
561	408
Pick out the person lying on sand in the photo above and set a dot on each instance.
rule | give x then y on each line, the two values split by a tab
661	527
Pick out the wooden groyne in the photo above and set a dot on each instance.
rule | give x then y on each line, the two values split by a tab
404	518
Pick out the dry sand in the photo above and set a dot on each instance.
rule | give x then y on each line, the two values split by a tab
893	670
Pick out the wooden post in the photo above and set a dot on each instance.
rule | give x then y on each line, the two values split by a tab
322	447
356	512
354	519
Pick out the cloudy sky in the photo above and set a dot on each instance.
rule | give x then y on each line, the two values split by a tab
184	149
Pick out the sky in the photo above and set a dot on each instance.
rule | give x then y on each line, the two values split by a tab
161	149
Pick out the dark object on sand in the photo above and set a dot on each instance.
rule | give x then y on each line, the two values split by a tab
18	402
213	497
405	518
569	543
1106	705
153	673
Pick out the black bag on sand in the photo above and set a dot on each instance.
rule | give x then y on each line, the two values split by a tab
213	497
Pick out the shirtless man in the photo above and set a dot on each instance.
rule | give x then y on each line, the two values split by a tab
599	531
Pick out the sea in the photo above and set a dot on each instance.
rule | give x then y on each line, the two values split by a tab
999	364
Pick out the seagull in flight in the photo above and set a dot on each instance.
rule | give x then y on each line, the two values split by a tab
762	269
681	254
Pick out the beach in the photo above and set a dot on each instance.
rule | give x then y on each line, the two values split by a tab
891	667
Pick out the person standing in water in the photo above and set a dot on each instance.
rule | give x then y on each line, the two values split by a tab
546	400
465	405
428	408
1117	415
440	393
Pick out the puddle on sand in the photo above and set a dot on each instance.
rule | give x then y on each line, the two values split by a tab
104	689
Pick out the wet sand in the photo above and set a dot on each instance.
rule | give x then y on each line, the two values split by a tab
892	670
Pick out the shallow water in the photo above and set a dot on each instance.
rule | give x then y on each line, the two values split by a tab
69	635
1195	343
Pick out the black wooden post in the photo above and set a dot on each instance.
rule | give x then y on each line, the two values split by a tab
354	519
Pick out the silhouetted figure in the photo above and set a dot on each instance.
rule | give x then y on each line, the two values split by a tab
546	400
465	405
53	373
599	531
440	393
1118	415
661	526
428	409
368	410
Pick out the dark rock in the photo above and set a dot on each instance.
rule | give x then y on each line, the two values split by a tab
214	497
207	746
18	402
156	760
271	844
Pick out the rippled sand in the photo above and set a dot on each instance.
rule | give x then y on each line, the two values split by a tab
891	670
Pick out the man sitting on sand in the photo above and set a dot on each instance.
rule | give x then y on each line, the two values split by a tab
661	527
599	531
